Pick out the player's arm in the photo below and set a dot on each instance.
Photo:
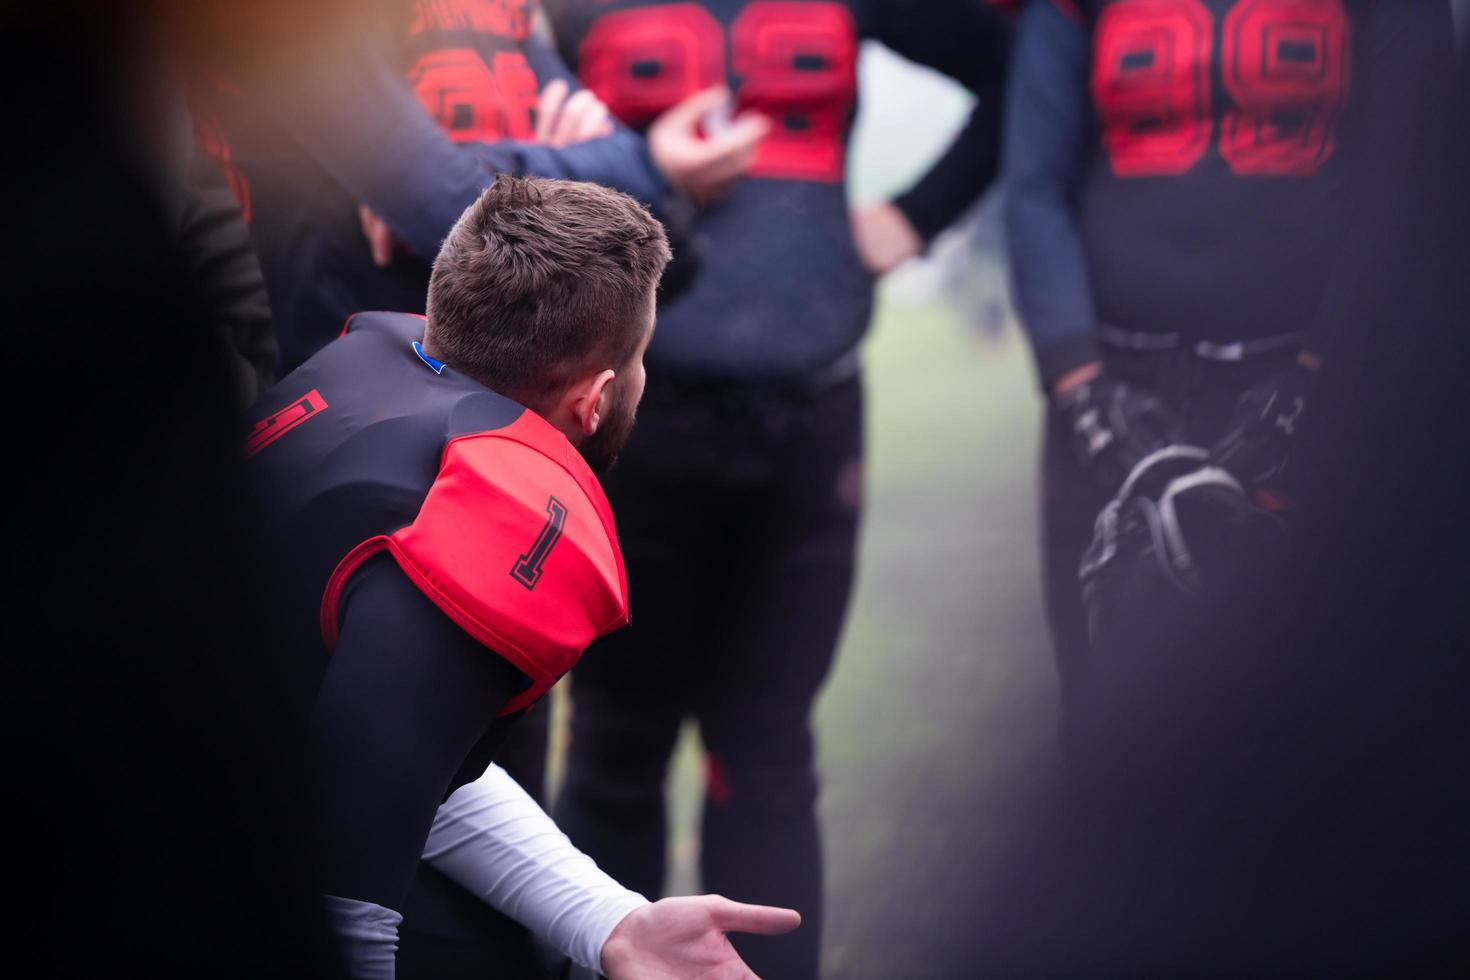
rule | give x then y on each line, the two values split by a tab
349	108
406	695
1046	127
968	40
493	839
1112	425
227	287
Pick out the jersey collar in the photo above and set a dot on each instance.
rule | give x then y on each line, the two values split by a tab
436	366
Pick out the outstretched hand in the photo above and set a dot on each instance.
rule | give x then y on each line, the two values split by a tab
685	939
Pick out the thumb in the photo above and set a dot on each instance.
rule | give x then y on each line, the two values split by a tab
747	129
763	920
688	113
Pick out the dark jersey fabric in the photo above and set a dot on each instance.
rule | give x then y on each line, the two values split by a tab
362	466
355	118
782	292
404	709
1195	167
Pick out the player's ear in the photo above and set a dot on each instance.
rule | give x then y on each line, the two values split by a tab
587	400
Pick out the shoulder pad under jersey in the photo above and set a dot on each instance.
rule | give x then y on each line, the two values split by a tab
515	542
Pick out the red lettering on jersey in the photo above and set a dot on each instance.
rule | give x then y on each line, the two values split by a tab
473	101
643	61
506	18
1151	85
797	63
1286	68
269	429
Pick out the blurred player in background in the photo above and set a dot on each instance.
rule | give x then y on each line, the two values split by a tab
355	146
445	554
739	496
1186	182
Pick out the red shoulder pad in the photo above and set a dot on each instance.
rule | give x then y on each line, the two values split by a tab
515	542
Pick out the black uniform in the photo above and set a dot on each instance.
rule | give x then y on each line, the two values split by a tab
739	495
444	557
1185	187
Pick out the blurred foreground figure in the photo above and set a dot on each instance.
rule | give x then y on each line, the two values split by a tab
1274	773
147	788
1188	184
740	494
445	554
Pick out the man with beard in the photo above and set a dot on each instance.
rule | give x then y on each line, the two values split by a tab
446	554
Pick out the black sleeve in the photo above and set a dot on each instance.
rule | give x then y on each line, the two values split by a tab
967	40
218	258
406	696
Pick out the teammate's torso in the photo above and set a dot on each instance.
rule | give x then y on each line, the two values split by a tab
781	291
367	449
1216	191
464	60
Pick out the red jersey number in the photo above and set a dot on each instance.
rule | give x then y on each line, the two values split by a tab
1285	66
1151	83
795	62
798	65
640	62
473	101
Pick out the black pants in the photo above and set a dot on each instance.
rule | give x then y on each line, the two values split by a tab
1203	395
737	508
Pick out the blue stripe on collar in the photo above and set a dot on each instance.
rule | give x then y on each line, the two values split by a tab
437	366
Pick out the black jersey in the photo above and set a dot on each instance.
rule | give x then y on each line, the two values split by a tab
781	291
1195	167
370	447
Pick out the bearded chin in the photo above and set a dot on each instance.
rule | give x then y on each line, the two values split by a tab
602	448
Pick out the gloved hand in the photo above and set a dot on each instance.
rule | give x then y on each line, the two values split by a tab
1113	426
1256	447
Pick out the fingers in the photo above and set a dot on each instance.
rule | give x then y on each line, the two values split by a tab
730	154
548	108
688	113
563	119
581	119
764	920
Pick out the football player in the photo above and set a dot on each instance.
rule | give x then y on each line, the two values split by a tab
445	554
1185	185
740	495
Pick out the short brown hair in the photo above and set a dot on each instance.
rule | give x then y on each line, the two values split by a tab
540	279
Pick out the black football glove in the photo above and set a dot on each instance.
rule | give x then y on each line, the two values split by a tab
1257	446
1114	426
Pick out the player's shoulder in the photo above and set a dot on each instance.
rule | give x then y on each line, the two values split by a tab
515	542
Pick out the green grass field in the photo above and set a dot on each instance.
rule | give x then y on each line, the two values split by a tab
938	722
